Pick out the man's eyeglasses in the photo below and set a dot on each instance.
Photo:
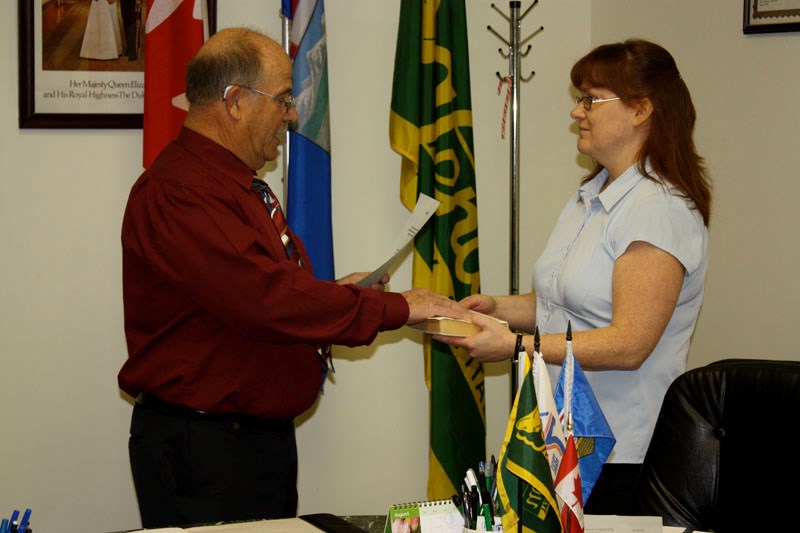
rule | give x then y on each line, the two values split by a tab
587	101
287	103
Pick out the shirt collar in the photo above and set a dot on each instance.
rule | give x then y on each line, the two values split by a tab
216	156
614	192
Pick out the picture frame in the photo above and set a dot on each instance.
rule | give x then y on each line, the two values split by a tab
771	16
111	97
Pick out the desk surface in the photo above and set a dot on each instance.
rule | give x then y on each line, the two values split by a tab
312	523
282	525
369	523
316	524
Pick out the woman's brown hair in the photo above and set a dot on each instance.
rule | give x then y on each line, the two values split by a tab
637	69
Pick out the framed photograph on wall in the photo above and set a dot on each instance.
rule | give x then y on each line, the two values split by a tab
73	78
770	16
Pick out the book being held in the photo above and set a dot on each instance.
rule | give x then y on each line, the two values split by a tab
442	325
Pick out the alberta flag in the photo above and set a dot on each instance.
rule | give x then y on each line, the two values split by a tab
308	199
174	32
430	125
594	439
524	481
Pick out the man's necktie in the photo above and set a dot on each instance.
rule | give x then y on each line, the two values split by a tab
276	214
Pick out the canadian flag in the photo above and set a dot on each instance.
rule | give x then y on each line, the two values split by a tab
174	31
568	486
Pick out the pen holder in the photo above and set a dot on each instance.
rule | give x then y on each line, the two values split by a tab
497	527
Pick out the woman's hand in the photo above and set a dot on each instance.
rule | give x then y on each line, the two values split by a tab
495	342
480	303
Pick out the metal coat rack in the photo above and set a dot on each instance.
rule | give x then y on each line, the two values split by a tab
513	78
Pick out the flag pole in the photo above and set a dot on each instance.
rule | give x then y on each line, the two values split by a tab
286	42
513	78
518	350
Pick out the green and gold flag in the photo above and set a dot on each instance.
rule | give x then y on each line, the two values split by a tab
431	127
524	481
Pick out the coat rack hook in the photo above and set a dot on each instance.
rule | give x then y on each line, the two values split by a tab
498	35
503	14
528	10
532	35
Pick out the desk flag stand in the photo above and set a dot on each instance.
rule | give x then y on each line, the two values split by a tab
512	97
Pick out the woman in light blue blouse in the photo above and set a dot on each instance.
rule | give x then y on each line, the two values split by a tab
626	261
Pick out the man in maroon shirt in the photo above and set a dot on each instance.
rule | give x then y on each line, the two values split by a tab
225	331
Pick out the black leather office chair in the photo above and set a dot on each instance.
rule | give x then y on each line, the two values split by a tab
723	456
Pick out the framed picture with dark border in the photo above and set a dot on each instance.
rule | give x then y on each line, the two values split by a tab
58	88
771	16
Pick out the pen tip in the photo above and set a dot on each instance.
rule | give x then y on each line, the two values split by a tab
569	330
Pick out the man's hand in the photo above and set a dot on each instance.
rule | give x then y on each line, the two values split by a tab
355	277
424	303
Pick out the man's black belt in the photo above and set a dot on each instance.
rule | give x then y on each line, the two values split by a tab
148	401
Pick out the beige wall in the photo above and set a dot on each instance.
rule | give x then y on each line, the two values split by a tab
364	445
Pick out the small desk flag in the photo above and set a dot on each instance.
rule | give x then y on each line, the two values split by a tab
524	482
594	439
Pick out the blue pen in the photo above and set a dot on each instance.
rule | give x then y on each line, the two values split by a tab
13	521
23	524
4	525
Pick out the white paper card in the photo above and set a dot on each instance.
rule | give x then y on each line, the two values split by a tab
423	211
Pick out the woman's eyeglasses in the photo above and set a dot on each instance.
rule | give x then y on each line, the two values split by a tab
587	101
